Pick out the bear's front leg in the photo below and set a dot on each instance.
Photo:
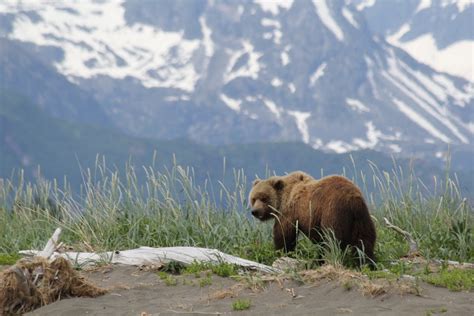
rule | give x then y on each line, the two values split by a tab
284	235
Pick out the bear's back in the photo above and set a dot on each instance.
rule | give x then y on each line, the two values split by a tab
335	187
314	200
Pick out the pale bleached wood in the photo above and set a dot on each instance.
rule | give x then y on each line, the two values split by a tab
51	245
152	256
408	237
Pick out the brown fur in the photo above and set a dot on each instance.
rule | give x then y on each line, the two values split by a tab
297	199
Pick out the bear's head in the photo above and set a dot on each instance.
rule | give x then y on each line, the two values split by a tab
265	195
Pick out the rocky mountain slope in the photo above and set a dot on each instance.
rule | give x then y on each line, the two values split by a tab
223	72
438	33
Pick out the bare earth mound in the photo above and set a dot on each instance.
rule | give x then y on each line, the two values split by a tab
135	292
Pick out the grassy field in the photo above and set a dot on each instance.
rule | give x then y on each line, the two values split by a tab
116	211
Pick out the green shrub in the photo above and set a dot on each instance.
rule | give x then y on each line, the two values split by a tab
241	304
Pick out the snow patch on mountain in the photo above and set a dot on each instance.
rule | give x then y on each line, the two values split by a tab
328	20
374	136
420	120
276	34
356	105
97	41
250	69
470	127
276	82
460	4
430	85
300	118
174	98
317	74
274	6
370	76
273	107
456	59
231	103
207	40
285	58
424	4
350	17
339	146
365	4
395	148
461	97
397	74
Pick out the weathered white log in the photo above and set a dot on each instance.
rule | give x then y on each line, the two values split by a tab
152	256
408	237
51	245
457	264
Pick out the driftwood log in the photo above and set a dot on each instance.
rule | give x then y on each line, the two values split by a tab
156	256
51	245
408	237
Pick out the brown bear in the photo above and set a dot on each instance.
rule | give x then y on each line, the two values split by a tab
298	202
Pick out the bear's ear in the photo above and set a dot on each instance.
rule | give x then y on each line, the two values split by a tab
301	176
254	183
278	185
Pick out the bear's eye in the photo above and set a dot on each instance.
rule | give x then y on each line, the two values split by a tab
264	200
252	201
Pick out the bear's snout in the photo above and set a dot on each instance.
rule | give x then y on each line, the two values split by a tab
258	213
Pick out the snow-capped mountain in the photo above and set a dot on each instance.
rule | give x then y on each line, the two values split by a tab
246	71
438	33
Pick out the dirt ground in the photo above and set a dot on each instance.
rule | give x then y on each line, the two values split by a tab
135	292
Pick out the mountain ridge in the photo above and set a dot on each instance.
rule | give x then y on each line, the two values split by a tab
228	72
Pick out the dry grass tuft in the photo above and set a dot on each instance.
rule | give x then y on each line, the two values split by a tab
329	272
231	292
372	289
30	284
364	284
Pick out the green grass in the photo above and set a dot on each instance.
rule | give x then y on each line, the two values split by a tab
223	269
455	279
168	279
205	281
8	259
173	267
241	304
380	274
117	211
436	311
